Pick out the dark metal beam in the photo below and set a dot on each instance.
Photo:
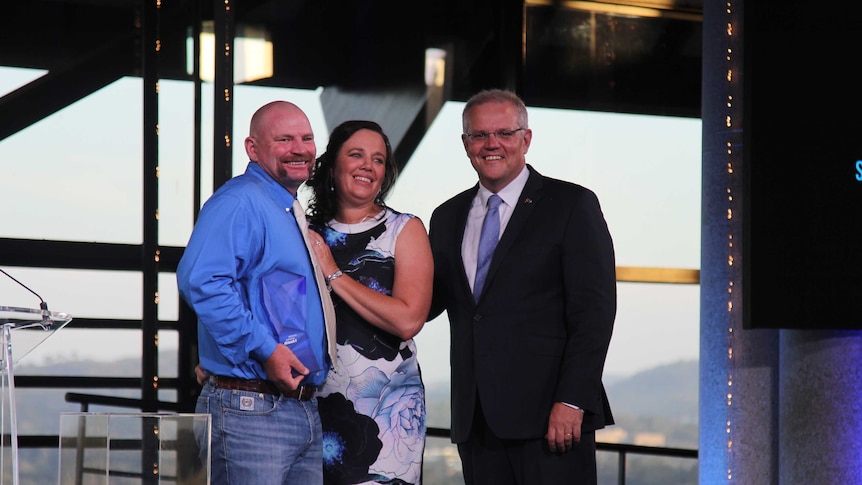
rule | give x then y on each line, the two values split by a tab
60	87
225	31
40	253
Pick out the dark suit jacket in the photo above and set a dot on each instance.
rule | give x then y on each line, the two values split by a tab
541	329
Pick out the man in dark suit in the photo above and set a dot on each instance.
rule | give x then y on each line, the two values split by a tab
528	352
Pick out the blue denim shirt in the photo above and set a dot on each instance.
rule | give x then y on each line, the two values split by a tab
246	273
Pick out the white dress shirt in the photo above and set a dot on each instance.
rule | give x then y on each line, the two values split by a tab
470	243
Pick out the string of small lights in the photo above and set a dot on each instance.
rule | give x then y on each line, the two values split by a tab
733	130
227	63
152	20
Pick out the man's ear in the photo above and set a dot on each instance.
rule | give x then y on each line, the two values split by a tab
251	149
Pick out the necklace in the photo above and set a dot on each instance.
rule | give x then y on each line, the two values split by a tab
352	227
373	212
365	217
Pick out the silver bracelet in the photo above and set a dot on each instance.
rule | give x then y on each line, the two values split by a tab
331	278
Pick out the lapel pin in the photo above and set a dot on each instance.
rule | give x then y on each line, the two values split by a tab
528	200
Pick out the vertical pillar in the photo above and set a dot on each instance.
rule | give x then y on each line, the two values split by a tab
150	249
776	406
224	29
820	407
738	368
150	19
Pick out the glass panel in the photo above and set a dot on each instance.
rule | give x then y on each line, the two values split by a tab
39	409
651	374
134	448
38	465
78	170
656	325
96	353
169	355
442	465
437	393
86	353
80	293
607	466
167	395
169	297
679	471
94	158
12	78
93	294
176	161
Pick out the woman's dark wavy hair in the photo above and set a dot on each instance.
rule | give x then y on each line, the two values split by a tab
322	200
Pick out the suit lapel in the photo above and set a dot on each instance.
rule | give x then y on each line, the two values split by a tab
459	226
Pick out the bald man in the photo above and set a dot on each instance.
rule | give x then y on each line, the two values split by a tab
246	273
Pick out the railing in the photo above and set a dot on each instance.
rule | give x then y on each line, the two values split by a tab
622	450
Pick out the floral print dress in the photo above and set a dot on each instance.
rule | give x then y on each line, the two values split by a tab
372	406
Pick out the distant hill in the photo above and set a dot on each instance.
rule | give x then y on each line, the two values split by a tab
657	407
669	391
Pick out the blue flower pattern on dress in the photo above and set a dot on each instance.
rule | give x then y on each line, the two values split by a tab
333	448
375	285
372	406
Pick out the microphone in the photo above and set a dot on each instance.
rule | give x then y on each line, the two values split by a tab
43	305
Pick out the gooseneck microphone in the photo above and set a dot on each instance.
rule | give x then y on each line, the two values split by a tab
42	304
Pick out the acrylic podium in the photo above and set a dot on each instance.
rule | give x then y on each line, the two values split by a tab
29	327
134	449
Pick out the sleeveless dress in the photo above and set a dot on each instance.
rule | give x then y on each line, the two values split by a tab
372	405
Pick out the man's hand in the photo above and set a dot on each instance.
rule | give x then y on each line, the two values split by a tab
279	367
201	375
564	427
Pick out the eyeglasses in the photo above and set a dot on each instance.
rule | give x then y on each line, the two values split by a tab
502	135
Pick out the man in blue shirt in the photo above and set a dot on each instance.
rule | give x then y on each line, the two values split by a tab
248	276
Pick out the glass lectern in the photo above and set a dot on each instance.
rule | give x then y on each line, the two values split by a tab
30	327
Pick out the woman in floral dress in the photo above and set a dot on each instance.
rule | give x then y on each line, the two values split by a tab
379	267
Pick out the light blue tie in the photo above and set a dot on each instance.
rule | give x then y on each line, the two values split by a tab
487	242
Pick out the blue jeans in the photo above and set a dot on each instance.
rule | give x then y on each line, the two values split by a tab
261	438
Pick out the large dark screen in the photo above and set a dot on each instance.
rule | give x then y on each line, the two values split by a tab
579	58
802	242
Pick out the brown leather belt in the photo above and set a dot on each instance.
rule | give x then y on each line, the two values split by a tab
303	393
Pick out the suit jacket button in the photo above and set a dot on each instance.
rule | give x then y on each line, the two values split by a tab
477	317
